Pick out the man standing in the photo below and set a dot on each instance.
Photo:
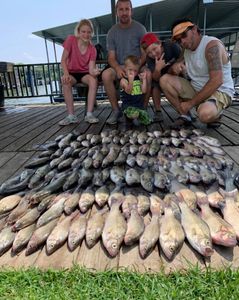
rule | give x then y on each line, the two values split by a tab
210	89
123	39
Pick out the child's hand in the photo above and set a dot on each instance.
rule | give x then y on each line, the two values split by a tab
66	79
95	71
130	75
142	75
160	63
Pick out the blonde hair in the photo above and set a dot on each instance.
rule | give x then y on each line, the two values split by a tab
135	60
82	23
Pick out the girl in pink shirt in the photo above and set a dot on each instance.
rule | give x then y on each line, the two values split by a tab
78	64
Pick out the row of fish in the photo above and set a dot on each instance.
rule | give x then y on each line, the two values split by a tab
28	222
134	158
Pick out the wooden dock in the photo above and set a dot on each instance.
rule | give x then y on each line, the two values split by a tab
24	129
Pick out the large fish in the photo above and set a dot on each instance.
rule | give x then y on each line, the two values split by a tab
87	199
39	236
77	231
6	239
222	232
129	200
135	226
18	211
114	229
8	203
95	227
150	235
196	230
53	212
59	234
143	203
22	238
230	210
71	203
171	236
27	219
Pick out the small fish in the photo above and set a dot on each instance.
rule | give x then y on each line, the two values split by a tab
102	195
146	179
117	175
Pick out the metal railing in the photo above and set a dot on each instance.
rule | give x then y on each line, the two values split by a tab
37	80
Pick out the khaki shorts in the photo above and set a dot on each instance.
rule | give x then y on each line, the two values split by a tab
221	100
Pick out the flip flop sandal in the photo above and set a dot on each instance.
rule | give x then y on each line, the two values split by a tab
180	122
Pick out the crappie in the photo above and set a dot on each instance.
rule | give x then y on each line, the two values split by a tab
102	195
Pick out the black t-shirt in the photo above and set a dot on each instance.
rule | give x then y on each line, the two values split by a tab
172	52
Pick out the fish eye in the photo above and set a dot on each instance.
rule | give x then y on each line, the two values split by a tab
171	248
114	245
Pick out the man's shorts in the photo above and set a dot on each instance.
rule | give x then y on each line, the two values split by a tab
221	100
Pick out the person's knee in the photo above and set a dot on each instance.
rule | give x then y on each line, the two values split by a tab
207	114
107	76
93	82
66	85
164	81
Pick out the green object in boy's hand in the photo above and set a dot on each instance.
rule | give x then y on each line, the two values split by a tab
137	113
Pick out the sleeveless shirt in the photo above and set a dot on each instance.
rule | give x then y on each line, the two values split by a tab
197	68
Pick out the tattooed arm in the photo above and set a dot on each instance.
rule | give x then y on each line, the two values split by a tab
215	56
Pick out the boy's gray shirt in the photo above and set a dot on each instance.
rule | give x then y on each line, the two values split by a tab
125	41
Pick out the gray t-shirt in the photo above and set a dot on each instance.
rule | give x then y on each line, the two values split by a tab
125	41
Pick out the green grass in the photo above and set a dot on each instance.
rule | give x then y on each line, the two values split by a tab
82	284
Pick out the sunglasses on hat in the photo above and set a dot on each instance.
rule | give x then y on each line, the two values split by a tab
183	35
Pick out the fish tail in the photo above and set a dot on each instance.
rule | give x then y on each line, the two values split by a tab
231	194
202	198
